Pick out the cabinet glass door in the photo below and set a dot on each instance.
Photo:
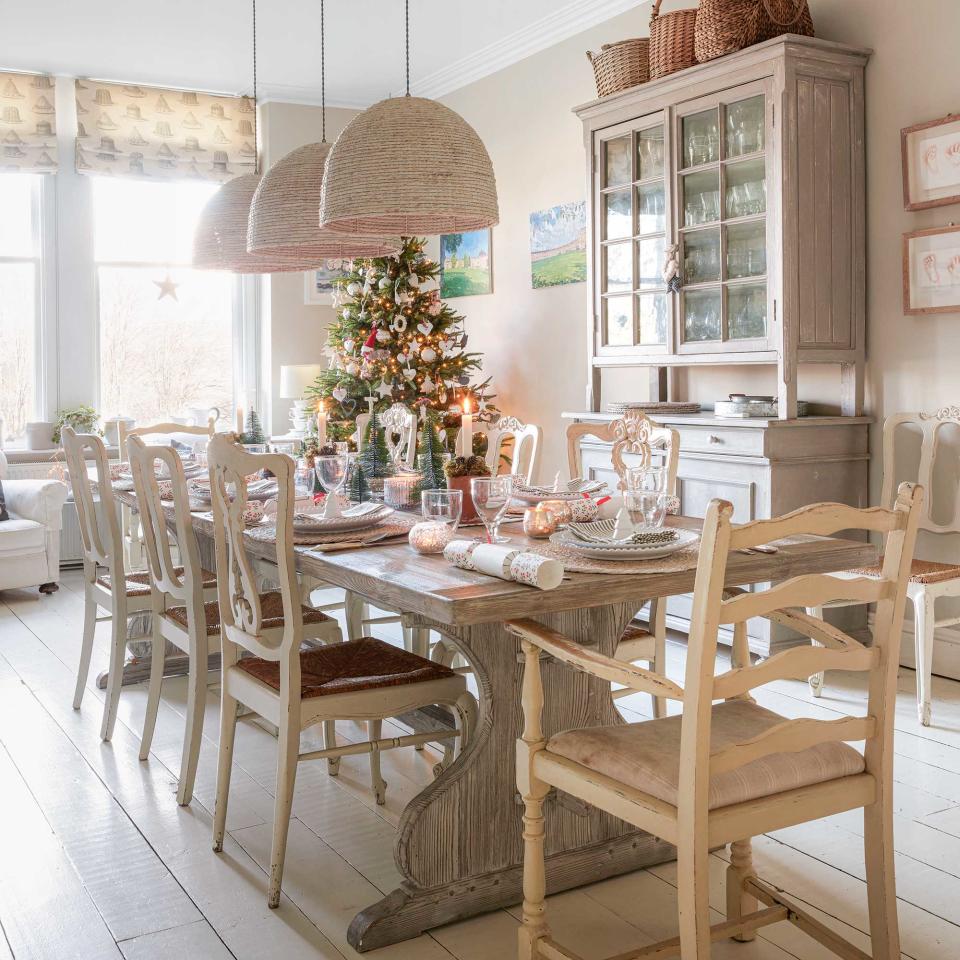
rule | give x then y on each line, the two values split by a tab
721	220
632	213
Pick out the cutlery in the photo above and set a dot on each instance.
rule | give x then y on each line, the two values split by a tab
382	538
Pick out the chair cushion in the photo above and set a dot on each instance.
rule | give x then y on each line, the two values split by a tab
20	537
3	504
271	609
362	664
647	756
138	584
921	571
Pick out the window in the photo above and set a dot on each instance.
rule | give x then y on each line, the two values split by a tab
167	332
20	326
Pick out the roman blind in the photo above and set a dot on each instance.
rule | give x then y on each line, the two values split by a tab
28	123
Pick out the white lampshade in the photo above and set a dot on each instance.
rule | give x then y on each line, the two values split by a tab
296	378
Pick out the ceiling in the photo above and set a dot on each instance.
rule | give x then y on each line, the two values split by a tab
206	44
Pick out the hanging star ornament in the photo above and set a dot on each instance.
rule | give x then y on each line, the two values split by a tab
167	288
385	389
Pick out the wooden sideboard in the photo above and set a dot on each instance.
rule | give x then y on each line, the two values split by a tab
764	467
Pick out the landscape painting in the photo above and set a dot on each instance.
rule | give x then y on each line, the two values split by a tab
558	244
318	284
465	264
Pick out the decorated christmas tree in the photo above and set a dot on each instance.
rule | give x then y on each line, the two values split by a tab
395	339
430	455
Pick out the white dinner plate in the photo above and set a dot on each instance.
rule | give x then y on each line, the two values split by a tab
632	552
304	522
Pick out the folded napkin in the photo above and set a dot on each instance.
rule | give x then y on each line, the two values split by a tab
507	563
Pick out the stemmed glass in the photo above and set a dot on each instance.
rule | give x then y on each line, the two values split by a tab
491	497
332	473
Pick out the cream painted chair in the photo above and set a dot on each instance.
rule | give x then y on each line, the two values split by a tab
400	430
132	540
635	434
524	440
929	580
363	680
728	771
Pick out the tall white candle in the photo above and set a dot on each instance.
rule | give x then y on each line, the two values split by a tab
240	418
466	430
322	423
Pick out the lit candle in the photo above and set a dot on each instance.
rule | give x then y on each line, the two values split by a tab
397	491
539	522
560	510
321	423
430	536
466	430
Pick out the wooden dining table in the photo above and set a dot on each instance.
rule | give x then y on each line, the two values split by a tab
459	846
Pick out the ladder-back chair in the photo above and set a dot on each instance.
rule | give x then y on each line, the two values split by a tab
635	434
725	772
362	680
524	441
183	598
929	580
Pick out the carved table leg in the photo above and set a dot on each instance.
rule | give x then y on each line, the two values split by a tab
460	847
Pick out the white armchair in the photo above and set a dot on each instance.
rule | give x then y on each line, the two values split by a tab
30	539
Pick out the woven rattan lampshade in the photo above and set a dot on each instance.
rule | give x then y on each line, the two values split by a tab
408	166
283	216
220	240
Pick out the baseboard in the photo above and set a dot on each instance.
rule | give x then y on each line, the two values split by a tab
946	650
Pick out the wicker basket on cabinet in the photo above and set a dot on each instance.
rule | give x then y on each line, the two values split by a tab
671	41
720	27
619	66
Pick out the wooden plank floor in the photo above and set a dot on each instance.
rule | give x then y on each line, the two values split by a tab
98	861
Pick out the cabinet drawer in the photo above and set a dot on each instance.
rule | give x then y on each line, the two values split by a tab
735	441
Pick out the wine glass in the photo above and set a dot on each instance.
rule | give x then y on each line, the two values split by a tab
442	506
332	473
491	497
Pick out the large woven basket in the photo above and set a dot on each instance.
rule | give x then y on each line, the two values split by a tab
619	66
771	18
720	27
671	41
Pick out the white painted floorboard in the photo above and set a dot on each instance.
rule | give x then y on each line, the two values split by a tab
98	861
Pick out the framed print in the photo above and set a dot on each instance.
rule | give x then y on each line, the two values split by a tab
558	245
931	163
931	271
318	284
466	267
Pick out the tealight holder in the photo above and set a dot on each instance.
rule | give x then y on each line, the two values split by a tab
430	536
560	509
539	522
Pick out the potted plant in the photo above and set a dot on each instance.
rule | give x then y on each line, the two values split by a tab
83	419
458	471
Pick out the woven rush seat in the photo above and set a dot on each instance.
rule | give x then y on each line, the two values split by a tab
363	664
646	756
271	610
921	571
635	632
138	584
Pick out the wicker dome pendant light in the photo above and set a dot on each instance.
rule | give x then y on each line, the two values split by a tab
283	216
410	166
220	238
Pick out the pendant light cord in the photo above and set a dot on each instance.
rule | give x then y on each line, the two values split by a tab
256	162
323	80
406	10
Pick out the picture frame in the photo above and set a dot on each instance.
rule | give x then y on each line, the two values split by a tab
558	245
318	286
466	263
930	154
931	271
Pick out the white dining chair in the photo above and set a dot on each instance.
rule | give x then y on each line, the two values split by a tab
363	680
400	432
508	436
930	580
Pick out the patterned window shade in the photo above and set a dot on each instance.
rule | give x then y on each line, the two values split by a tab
128	130
28	123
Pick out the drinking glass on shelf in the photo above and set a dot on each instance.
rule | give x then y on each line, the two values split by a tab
491	497
647	508
332	473
442	506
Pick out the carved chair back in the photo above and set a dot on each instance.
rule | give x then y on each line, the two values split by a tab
633	433
99	528
930	426
187	588
714	607
241	615
400	433
525	438
162	429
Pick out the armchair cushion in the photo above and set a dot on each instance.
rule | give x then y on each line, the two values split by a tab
20	537
38	500
3	504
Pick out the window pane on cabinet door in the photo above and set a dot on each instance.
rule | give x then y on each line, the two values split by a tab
650	260
701	315
701	198
747	311
652	311
651	208
701	256
650	153
619	321
617	169
747	249
746	190
701	139
618	275
745	127
18	323
617	221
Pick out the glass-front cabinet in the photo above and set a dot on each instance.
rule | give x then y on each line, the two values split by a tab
744	176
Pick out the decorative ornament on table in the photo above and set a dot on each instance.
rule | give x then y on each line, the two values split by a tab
374	457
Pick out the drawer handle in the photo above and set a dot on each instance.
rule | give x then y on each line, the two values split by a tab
713	438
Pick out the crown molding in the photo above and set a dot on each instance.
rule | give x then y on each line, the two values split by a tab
305	96
567	21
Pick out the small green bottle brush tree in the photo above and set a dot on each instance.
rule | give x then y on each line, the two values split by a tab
430	455
253	429
374	458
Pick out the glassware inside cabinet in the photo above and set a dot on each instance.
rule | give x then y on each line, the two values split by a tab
701	197
745	127
619	320
701	256
651	208
652	311
617	168
747	311
651	254
617	219
747	249
702	315
618	274
746	189
701	139
650	153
